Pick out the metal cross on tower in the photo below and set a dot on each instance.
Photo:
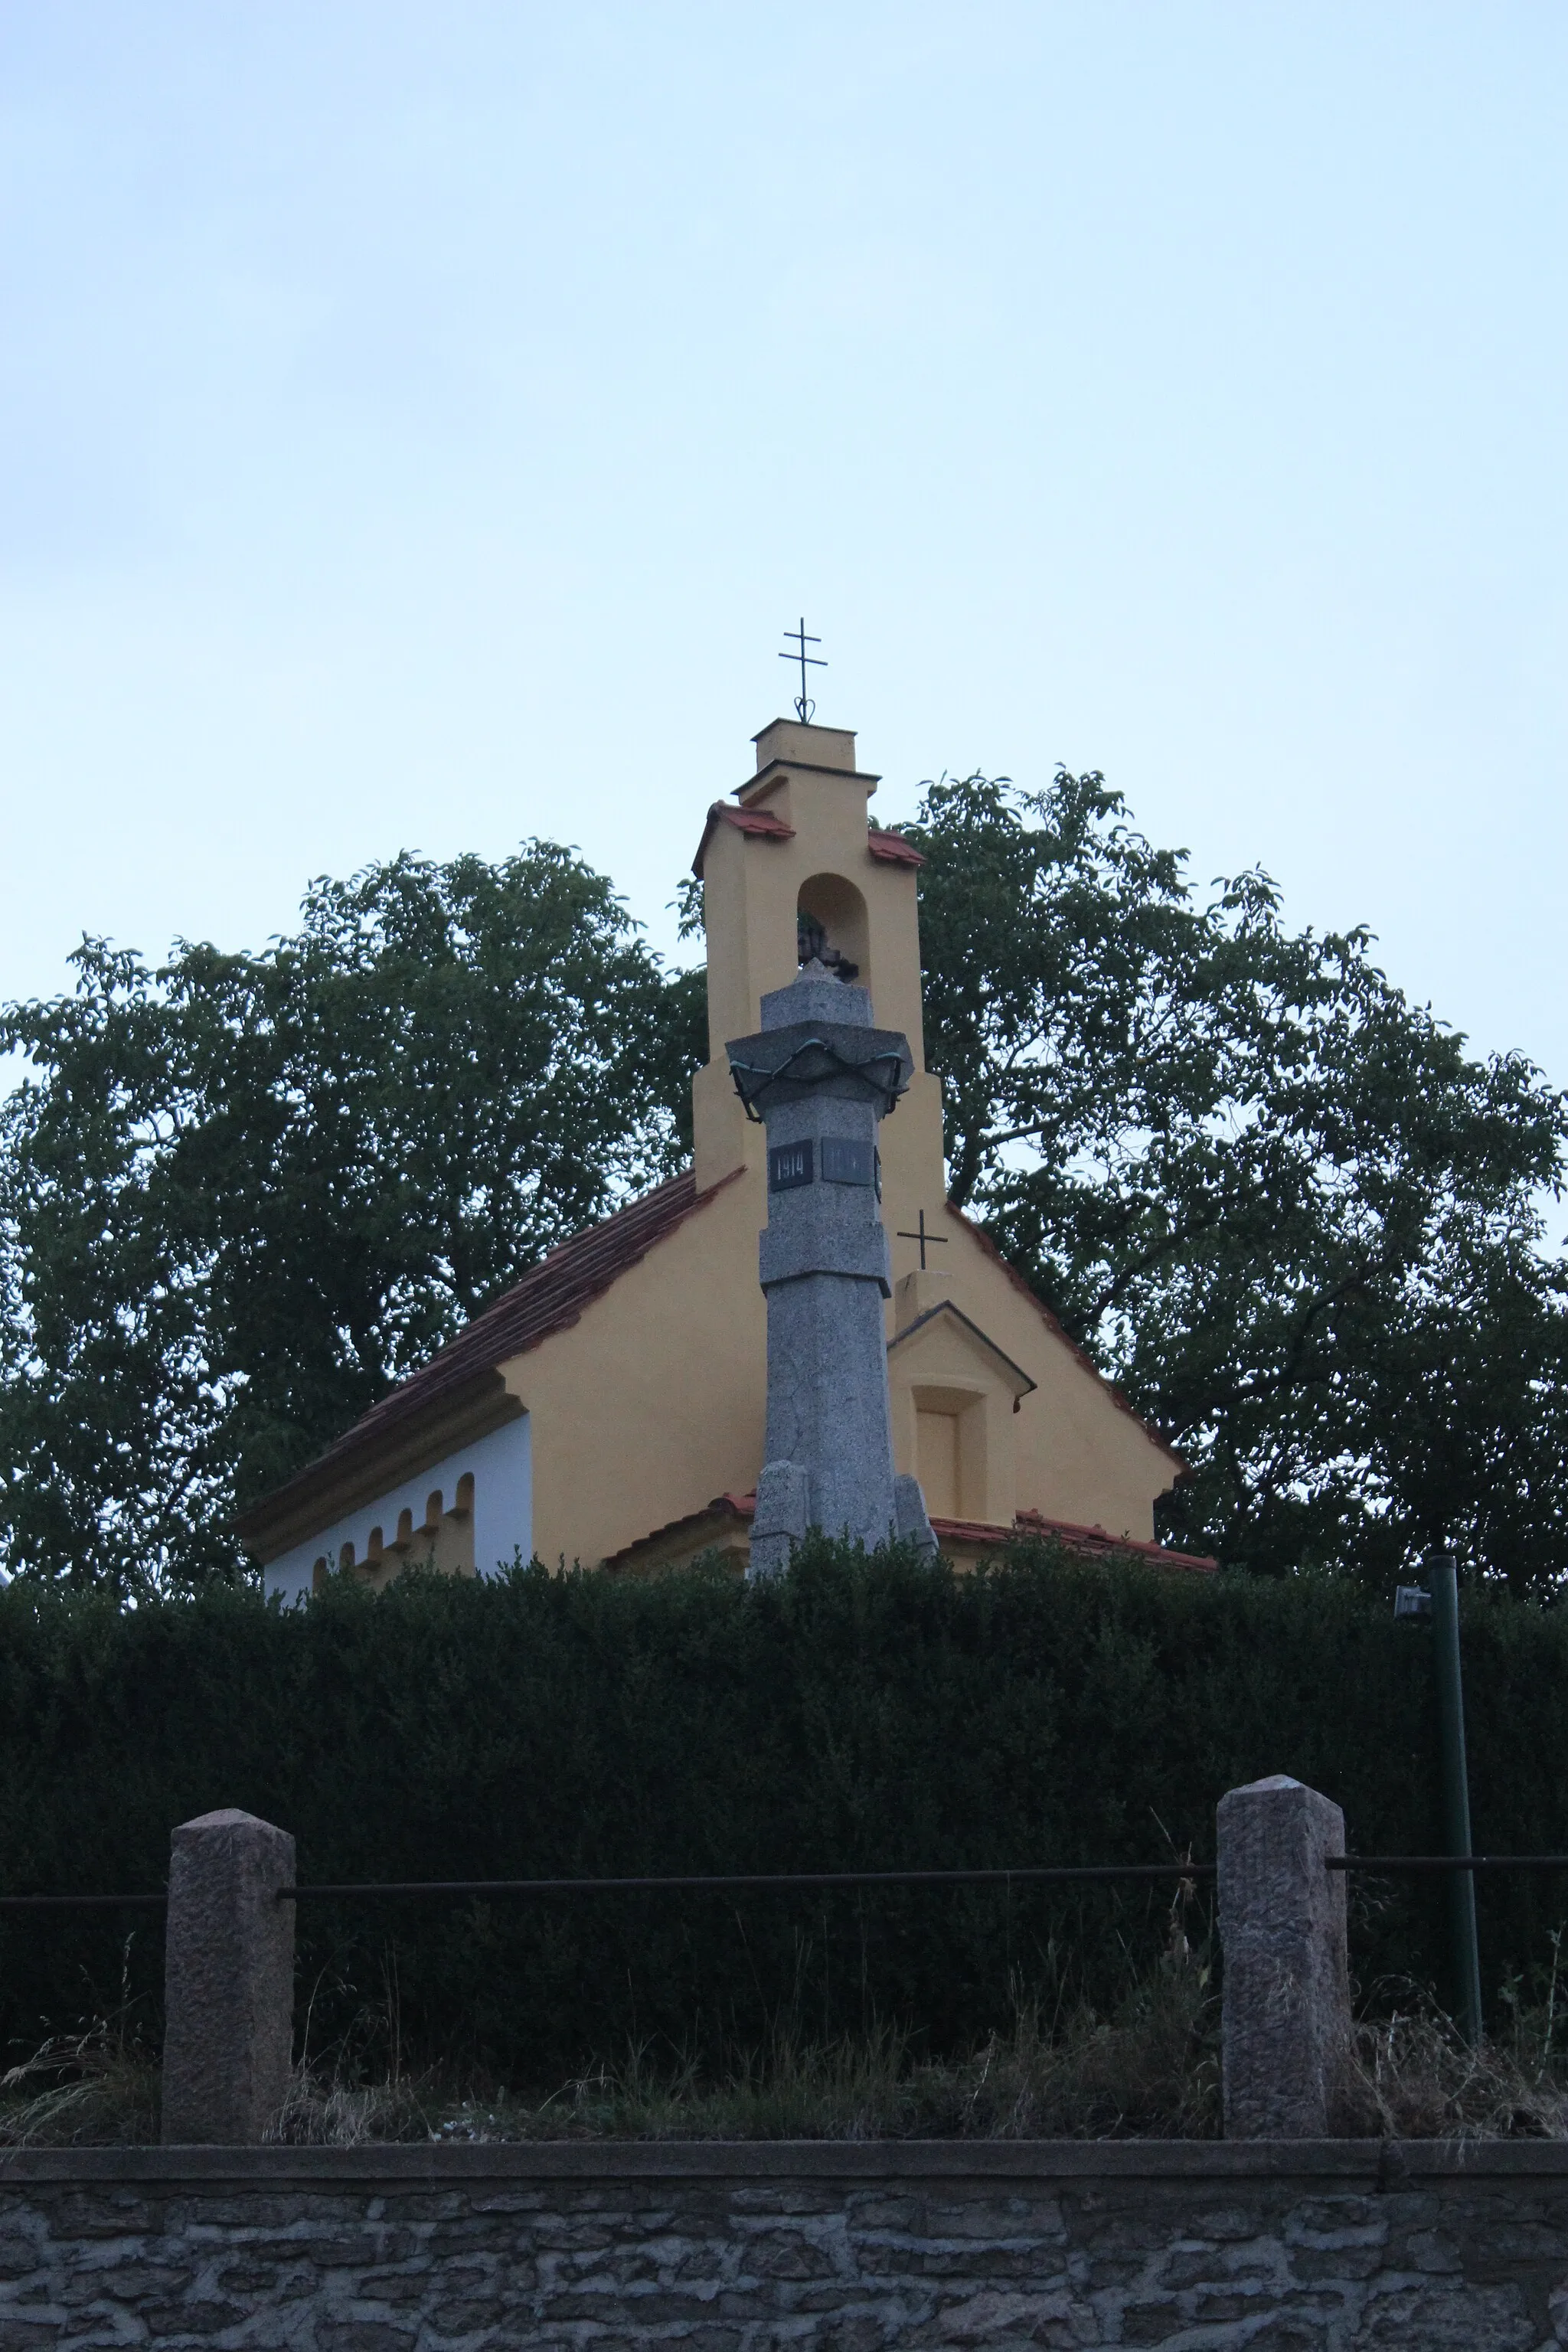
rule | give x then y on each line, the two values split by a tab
926	1240
805	707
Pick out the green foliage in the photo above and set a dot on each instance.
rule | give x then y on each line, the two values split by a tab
1283	1207
241	1194
854	1714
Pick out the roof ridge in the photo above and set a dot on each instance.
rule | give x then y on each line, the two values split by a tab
643	1200
548	1298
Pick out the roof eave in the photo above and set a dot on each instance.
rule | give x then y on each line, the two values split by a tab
327	1490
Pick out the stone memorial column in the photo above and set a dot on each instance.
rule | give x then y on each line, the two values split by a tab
821	1077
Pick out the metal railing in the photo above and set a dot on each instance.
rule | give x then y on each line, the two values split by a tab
83	1902
1423	1862
790	1882
761	1882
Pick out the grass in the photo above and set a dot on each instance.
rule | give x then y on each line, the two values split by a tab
1415	2078
95	2088
1152	2069
1149	2070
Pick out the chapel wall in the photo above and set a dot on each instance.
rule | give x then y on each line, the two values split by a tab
466	1514
1078	1453
654	1401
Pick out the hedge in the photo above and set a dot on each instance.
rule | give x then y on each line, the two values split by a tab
856	1714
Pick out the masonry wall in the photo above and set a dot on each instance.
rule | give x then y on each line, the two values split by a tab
1331	2244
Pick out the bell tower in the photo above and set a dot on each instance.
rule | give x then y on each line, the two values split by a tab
790	864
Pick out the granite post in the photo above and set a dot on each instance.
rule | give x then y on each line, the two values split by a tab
228	1981
822	1076
1285	2019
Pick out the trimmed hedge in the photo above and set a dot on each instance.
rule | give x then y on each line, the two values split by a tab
855	1714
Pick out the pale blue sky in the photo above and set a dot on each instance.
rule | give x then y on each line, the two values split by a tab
419	422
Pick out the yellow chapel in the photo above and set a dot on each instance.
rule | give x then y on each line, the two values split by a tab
608	1410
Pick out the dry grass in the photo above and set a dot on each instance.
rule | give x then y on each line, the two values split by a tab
1416	2079
1149	2075
325	2113
95	2088
1149	2070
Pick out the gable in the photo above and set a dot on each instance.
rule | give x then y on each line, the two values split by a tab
945	1346
461	1394
1037	1306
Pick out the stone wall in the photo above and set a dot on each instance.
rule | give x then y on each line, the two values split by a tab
734	2248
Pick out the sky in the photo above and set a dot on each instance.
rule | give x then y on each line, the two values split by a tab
420	423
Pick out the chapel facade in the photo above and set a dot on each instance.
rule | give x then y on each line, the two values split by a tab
609	1409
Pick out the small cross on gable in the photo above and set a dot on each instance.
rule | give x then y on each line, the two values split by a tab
925	1240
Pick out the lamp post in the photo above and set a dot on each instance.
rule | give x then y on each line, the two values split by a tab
1440	1601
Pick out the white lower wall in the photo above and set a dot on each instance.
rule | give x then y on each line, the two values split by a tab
502	1466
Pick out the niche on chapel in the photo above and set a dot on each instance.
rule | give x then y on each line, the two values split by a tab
838	910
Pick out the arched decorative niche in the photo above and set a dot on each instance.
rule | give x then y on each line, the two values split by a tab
838	906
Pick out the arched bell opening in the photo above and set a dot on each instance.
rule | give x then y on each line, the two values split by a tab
830	923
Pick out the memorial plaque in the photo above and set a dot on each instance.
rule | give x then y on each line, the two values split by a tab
846	1160
789	1164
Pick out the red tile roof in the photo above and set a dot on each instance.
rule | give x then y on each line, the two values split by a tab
1095	1544
744	820
892	848
1090	1543
550	1296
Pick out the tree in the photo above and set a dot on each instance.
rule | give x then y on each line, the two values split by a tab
1286	1208
241	1194
1283	1207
